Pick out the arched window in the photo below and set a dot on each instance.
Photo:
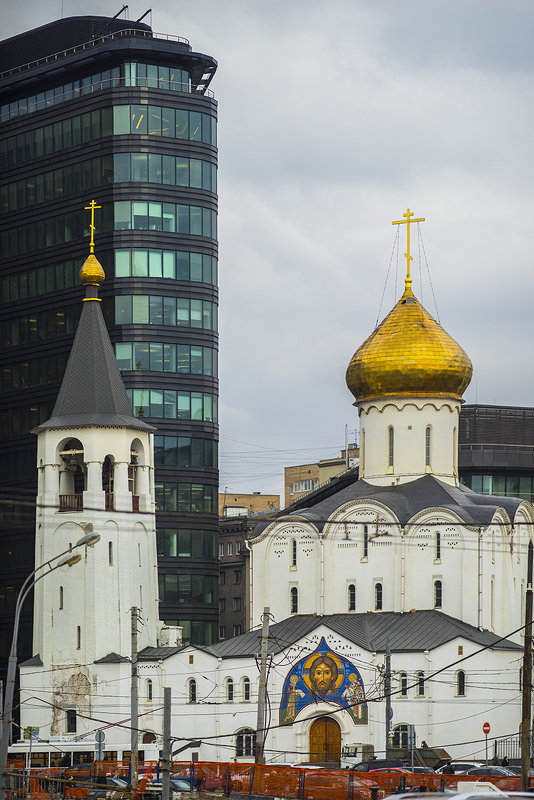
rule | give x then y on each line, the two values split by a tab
78	638
246	689
400	736
437	594
107	481
245	742
420	684
294	600
427	446
149	690
110	554
362	454
460	683
351	605
437	555
403	684
229	690
61	597
192	691
391	445
293	552
378	597
365	542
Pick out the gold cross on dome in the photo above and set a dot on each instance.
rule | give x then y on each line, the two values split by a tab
407	222
91	207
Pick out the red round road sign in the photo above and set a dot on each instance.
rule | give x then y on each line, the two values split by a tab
486	728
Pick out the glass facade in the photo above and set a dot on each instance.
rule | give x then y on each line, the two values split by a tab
68	134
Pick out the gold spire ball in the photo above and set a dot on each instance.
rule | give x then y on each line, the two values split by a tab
409	354
91	273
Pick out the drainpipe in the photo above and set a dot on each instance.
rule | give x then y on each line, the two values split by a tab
321	598
217	706
403	571
429	686
250	587
479	589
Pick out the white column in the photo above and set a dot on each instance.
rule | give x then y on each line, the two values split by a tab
93	496
142	487
123	497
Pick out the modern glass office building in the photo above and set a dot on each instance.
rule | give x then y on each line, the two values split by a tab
105	109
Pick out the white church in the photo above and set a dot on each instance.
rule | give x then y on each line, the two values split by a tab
402	558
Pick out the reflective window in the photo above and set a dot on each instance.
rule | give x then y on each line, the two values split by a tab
172	264
170	217
187	588
154	168
186	543
195	497
185	451
156	310
128	74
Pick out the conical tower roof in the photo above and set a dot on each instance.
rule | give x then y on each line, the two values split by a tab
92	391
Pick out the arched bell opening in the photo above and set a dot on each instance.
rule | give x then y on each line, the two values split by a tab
108	481
137	474
72	476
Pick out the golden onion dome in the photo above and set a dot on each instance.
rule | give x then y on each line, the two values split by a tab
92	272
409	354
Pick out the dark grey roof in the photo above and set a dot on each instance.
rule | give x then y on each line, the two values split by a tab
414	631
407	499
92	391
157	653
34	661
111	658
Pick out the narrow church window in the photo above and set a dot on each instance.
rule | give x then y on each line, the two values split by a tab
149	690
246	689
438	546
229	690
78	638
427	447
362	455
365	542
460	683
400	736
438	588
139	554
71	720
192	691
378	597
110	553
352	597
403	684
391	443
61	597
293	552
294	600
420	684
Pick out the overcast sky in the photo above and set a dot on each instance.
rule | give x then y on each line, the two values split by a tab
334	117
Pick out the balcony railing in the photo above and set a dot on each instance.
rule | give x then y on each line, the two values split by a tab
71	502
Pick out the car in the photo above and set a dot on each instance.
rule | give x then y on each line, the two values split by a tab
425	770
391	769
461	766
516	769
378	763
491	770
112	785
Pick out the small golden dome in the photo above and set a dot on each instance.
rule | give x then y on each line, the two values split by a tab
91	271
409	354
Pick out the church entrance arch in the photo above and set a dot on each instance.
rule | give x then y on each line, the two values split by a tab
325	740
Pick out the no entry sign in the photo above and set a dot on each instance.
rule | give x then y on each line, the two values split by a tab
486	728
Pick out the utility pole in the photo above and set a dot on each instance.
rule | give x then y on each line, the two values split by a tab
526	709
134	705
387	693
259	756
166	754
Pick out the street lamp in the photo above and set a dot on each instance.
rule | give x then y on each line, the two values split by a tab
67	559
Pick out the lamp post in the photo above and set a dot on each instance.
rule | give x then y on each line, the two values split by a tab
66	559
